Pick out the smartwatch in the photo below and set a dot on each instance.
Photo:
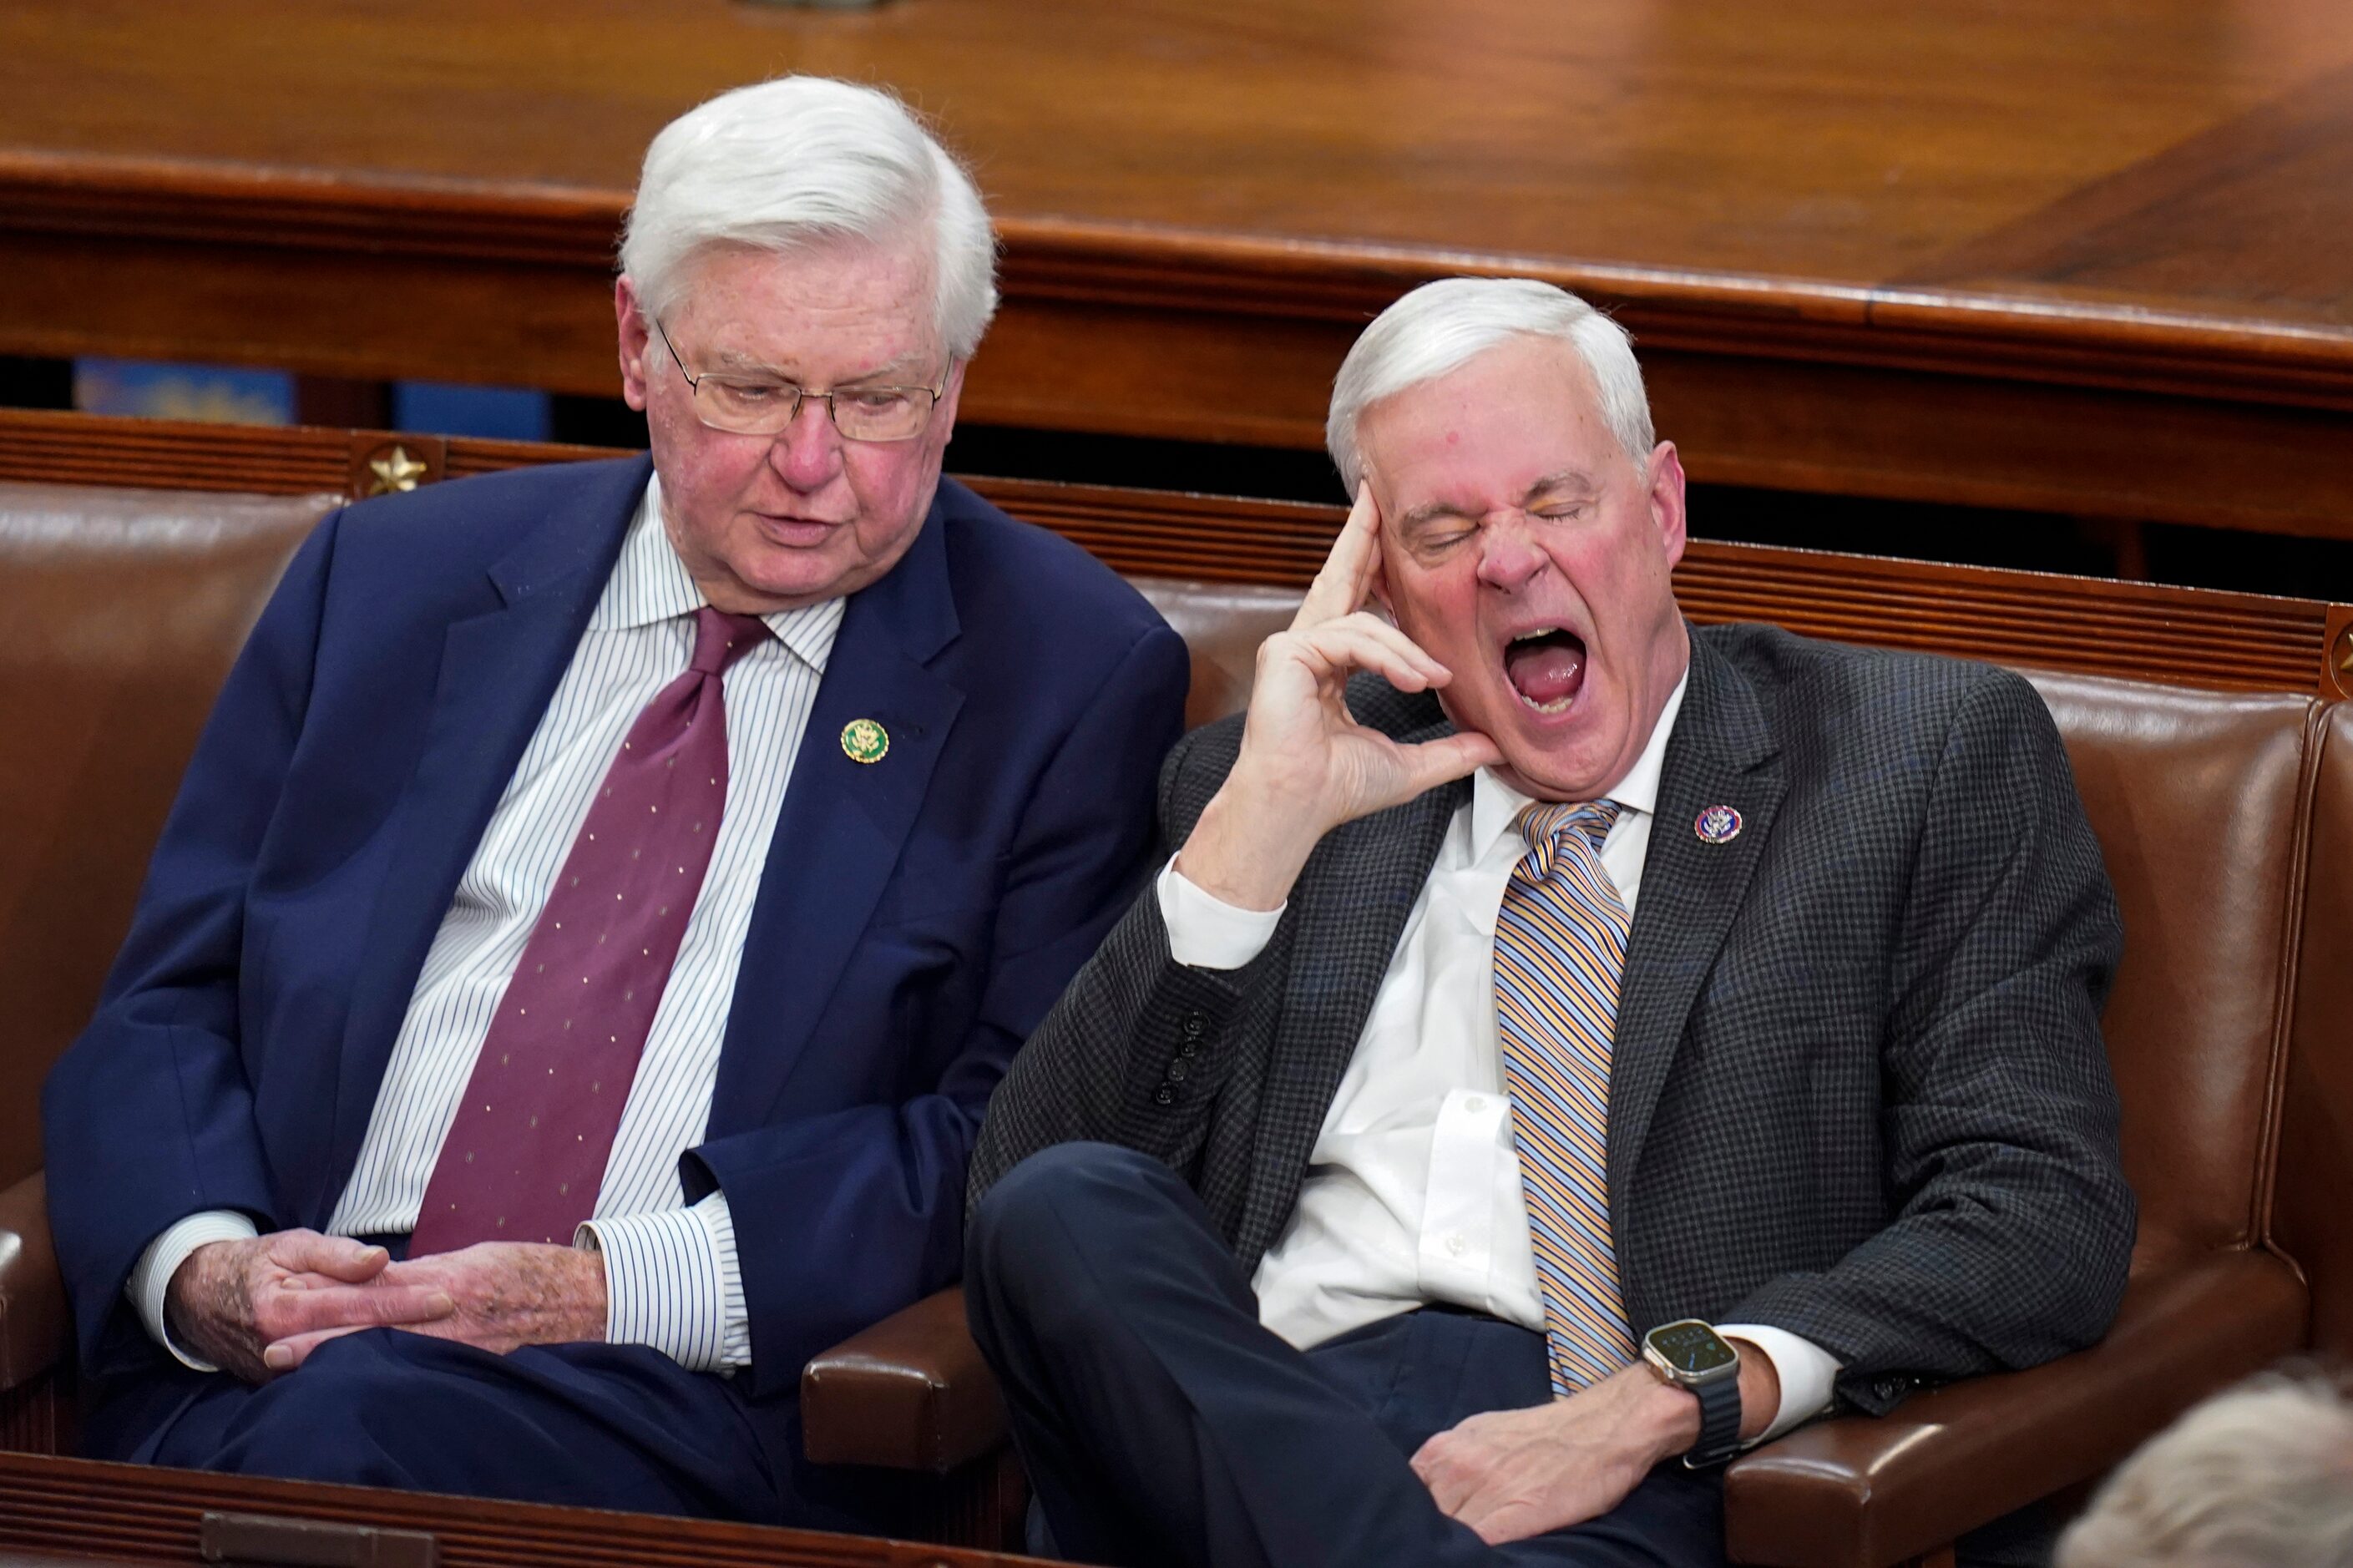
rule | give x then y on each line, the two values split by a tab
1691	1355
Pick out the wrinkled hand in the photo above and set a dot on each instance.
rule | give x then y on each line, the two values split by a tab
502	1294
1305	764
229	1301
1511	1474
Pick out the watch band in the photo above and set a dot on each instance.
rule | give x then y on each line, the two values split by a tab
1719	1424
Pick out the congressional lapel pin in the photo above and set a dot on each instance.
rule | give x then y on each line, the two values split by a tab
864	741
1718	824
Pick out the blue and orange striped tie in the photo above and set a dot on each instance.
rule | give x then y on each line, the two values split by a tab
1560	945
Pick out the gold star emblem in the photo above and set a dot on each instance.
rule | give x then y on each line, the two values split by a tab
395	473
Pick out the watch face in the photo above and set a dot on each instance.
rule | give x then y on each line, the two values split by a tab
1691	1347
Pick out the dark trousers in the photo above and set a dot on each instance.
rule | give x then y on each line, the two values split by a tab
1161	1424
586	1425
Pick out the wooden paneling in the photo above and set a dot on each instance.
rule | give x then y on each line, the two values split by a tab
1986	217
136	1515
2140	631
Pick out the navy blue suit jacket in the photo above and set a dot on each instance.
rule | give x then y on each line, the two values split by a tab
915	919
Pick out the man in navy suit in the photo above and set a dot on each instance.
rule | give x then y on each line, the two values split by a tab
351	1178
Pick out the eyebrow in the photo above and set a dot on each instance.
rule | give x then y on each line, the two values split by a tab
1430	512
730	361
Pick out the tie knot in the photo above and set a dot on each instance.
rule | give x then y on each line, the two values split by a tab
720	640
1543	825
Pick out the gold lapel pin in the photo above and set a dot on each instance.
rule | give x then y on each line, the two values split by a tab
864	741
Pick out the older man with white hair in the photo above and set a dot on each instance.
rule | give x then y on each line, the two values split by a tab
1577	1046
566	990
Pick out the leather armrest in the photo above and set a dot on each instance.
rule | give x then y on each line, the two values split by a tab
33	1314
1861	1493
911	1393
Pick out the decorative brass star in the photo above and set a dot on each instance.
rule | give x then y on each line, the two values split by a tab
394	472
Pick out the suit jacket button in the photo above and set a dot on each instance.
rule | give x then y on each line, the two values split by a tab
1164	1095
1195	1026
1188	1049
1176	1070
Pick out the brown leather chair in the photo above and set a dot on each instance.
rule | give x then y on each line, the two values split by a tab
2198	799
121	611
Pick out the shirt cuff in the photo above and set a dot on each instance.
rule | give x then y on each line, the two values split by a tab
671	1282
1806	1370
1207	933
151	1277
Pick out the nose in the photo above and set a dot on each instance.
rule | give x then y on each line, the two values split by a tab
806	453
1508	558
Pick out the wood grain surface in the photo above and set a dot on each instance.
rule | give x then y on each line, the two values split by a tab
133	1513
2188	636
2025	205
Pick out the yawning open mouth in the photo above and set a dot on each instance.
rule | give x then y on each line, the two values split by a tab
1547	667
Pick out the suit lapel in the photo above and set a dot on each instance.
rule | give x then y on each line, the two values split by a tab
844	824
1720	755
499	670
1349	907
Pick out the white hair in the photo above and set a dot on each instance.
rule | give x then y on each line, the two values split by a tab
1441	327
2260	1476
803	161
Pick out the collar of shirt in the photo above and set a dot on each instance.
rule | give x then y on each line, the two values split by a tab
1495	806
649	584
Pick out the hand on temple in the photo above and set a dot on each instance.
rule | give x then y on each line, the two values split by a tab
1306	766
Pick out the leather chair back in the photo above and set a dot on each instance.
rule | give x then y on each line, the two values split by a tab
2194	796
1222	624
121	611
2312	1213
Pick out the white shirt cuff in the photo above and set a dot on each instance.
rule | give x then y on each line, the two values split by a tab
151	1277
1207	933
1806	1370
672	1281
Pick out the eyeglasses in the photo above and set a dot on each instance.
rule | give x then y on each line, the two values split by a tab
764	405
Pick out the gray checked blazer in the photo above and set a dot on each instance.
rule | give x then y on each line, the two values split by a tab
1858	1090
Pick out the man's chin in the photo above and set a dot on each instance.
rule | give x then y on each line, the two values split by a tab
1553	762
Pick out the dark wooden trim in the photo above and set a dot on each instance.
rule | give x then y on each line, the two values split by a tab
152	1515
2135	630
161	201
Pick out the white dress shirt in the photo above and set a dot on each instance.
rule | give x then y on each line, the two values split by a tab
1412	1194
670	1272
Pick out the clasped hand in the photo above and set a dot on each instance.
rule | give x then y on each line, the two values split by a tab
258	1307
1305	764
1513	1474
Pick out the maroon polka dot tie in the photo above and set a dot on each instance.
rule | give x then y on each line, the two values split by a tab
526	1156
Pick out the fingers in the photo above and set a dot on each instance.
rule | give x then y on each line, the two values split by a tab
1434	762
1347	572
335	1257
285	1314
1450	1482
288	1354
1367	642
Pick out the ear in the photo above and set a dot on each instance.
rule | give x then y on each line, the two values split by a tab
1667	513
636	339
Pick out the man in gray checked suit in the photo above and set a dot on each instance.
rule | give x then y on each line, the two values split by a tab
1564	1042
